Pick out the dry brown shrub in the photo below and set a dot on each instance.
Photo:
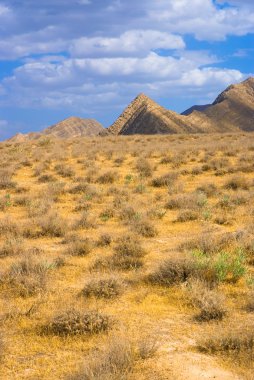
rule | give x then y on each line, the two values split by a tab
107	287
75	322
64	171
86	221
186	216
28	276
104	240
81	247
52	224
144	167
165	180
107	177
211	303
144	228
236	183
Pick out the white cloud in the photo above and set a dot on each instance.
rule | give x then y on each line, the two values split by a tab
132	42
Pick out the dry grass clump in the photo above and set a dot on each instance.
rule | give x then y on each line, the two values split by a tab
237	182
9	227
104	240
64	171
28	276
144	167
250	302
128	255
144	228
44	178
165	180
187	216
39	206
12	246
81	247
127	214
55	190
210	243
117	360
108	288
85	221
172	271
52	225
75	322
236	342
189	201
211	303
209	189
6	181
107	177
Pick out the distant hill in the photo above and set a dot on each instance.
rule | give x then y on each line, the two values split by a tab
71	127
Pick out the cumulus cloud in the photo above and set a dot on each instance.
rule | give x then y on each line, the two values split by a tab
132	42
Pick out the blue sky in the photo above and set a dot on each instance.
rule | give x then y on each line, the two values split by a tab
90	58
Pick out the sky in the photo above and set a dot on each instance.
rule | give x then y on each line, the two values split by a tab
90	58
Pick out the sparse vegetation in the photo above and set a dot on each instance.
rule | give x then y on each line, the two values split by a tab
155	231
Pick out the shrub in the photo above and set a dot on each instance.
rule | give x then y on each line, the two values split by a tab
28	276
236	342
80	247
110	287
172	271
165	180
186	216
129	246
209	189
107	177
117	360
250	302
9	227
107	214
39	206
190	201
74	322
46	178
211	304
104	240
11	246
236	183
86	221
6	180
144	167
64	171
144	228
128	214
53	225
210	243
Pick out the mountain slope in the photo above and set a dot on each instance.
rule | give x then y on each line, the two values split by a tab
232	110
144	116
71	127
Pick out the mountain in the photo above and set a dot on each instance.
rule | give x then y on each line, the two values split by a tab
232	111
71	127
74	127
199	108
144	116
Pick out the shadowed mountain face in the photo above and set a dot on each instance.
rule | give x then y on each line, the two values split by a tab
232	111
199	108
144	116
71	127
